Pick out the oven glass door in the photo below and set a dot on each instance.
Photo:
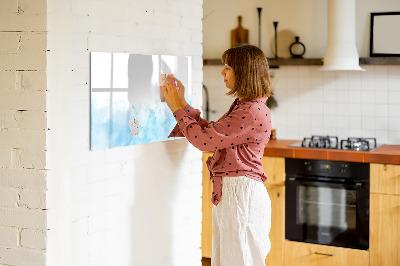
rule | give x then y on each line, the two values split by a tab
326	213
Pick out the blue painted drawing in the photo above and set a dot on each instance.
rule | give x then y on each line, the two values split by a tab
127	105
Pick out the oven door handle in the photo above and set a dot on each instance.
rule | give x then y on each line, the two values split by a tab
357	185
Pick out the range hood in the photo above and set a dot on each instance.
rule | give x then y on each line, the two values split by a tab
341	51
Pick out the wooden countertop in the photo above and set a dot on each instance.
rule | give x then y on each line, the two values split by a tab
389	154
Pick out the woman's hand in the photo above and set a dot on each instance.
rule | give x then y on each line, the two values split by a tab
181	92
172	95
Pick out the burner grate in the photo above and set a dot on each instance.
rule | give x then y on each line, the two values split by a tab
327	142
332	142
358	144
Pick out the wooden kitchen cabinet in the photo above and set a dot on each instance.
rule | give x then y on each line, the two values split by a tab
274	168
385	178
206	225
384	215
384	236
277	233
305	254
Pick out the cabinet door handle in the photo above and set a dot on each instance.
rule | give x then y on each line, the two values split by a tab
324	254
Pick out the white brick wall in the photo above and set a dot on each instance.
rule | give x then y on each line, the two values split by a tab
98	203
136	205
23	132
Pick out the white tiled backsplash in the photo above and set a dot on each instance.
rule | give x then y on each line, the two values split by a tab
339	103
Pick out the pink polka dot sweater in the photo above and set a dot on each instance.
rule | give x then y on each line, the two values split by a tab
238	139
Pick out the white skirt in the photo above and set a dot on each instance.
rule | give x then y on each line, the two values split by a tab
241	223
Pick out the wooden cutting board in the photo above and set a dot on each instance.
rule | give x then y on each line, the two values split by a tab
239	35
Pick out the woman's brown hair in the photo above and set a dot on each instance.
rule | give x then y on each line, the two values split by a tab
250	66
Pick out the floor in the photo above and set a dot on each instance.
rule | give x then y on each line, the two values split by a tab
206	261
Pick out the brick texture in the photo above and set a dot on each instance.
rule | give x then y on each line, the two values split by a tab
23	126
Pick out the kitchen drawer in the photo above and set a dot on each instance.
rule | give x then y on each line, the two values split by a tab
305	254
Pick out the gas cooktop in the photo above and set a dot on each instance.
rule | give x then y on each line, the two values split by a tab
332	142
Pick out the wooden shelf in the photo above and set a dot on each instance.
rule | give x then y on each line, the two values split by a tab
274	63
380	61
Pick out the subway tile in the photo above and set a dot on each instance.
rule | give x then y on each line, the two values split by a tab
382	136
316	72
304	108
304	72
380	71
342	82
317	107
329	122
342	133
394	97
369	70
354	82
317	95
368	122
355	109
354	75
380	97
394	123
355	132
367	109
381	123
394	71
394	83
381	84
305	95
303	82
342	109
342	96
317	120
367	133
292	82
291	71
394	137
293	120
316	83
355	122
329	94
367	96
342	122
367	83
328	74
382	110
394	110
317	131
329	109
355	96
280	72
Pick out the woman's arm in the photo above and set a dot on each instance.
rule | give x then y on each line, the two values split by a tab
193	113
179	97
239	127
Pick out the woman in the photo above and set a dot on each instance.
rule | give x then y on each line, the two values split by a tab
242	208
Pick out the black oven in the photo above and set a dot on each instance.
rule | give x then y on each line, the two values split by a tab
327	202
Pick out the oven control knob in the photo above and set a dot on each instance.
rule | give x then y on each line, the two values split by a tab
308	166
343	168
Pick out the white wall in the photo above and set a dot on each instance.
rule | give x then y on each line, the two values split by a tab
311	102
136	205
23	133
306	19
